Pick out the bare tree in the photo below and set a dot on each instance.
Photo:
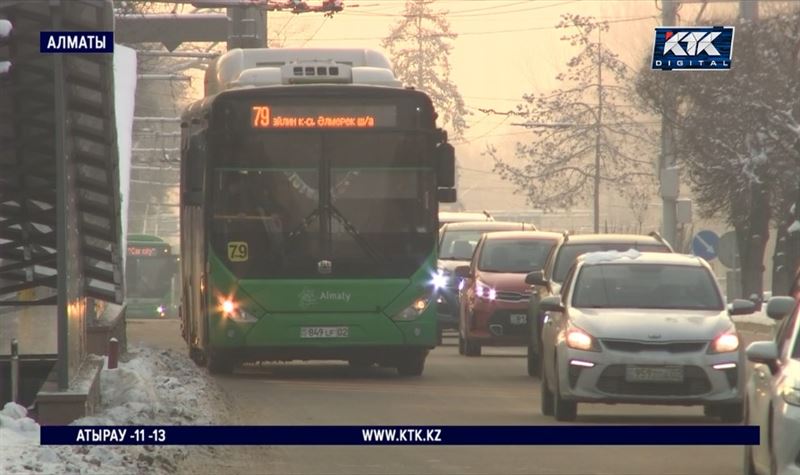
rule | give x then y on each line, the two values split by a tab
419	45
737	137
584	133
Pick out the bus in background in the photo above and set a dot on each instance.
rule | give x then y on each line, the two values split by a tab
310	187
150	277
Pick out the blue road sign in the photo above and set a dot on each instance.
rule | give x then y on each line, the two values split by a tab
705	244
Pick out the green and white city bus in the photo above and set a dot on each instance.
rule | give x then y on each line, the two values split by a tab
150	273
310	188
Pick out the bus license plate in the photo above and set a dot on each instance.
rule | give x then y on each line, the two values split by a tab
654	374
324	332
519	319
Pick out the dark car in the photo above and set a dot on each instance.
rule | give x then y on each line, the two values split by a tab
494	295
457	242
548	281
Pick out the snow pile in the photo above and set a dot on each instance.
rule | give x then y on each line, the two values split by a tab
5	66
795	227
150	387
607	256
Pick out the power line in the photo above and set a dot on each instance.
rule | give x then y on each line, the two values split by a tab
475	33
495	10
324	20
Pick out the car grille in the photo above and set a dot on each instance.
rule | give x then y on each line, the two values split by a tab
511	296
640	346
612	381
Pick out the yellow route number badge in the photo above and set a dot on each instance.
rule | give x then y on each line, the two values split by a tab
237	251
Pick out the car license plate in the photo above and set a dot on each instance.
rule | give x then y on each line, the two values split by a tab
324	332
519	319
654	374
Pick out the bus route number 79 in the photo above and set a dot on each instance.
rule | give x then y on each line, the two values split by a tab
237	251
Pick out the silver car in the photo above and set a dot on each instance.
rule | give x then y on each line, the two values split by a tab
641	328
773	395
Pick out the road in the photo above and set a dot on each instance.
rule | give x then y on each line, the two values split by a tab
493	389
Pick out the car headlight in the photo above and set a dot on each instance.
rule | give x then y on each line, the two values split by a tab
580	340
413	311
790	392
484	291
725	343
233	311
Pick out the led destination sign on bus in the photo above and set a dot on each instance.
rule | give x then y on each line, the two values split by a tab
139	251
322	117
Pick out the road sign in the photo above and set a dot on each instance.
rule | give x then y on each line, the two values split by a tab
705	245
728	251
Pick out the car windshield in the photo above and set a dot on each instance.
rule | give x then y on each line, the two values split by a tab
569	252
634	285
514	255
459	245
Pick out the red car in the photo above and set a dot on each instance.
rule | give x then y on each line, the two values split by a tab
493	293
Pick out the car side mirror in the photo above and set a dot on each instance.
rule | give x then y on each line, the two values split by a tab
552	304
446	195
764	352
462	272
194	184
535	278
741	307
779	307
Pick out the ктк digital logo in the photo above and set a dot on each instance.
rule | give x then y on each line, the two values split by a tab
693	48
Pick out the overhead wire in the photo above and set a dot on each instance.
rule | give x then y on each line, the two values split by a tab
475	33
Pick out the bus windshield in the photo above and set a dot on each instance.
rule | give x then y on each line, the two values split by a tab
363	201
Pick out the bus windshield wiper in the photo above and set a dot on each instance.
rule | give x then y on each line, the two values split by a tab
304	225
351	230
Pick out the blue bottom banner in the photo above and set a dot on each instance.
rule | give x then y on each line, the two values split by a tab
401	435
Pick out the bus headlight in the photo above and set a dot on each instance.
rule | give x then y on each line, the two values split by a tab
413	311
439	280
235	312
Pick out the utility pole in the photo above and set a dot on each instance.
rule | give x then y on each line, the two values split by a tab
669	9
597	136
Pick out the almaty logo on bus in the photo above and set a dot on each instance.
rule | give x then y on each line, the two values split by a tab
310	297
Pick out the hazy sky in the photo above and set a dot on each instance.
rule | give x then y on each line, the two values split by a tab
504	49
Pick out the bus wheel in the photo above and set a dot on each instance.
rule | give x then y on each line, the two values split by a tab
217	364
412	364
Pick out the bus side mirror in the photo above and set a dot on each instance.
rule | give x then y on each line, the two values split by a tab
445	166
195	171
446	195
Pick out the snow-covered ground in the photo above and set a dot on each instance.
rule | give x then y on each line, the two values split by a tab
150	387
